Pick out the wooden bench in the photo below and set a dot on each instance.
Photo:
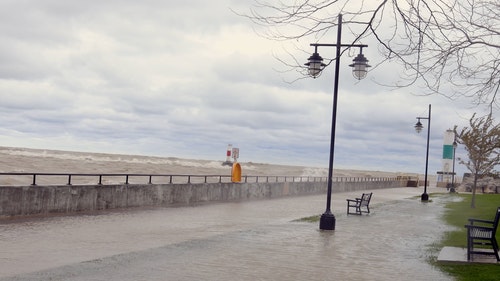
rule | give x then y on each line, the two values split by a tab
482	233
360	205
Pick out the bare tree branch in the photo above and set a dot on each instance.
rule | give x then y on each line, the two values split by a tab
440	43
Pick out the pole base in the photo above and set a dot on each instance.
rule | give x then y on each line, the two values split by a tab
452	188
425	197
327	221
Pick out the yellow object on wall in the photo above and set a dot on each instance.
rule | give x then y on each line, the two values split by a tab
236	172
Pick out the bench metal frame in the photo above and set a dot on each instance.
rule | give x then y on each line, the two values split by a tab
360	205
482	233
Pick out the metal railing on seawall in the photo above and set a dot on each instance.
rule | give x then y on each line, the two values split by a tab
21	178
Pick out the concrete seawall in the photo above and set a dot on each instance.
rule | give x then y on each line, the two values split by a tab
19	201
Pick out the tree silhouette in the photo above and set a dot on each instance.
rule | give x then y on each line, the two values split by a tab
482	143
452	44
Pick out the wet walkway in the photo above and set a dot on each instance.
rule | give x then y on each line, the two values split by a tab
255	240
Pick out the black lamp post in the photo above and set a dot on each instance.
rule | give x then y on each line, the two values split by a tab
418	128
452	189
315	66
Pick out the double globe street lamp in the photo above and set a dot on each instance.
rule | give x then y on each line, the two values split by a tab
315	66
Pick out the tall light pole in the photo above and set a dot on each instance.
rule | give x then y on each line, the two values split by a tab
452	189
418	128
315	66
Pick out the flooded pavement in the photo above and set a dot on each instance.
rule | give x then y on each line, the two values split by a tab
233	241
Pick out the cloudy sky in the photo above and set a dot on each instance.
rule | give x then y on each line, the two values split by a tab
186	78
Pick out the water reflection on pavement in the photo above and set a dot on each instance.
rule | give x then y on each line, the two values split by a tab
226	242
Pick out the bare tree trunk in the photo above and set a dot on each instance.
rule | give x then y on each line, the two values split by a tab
473	200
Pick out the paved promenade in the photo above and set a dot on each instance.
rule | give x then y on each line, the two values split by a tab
257	240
